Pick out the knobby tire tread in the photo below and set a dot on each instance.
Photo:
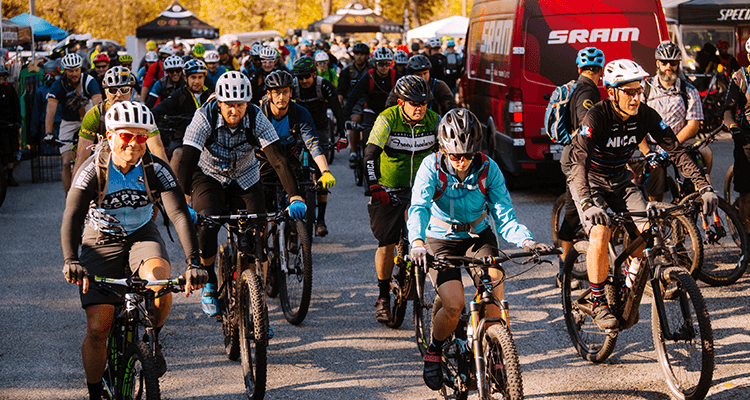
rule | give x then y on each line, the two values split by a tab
230	331
292	316
142	352
254	367
500	335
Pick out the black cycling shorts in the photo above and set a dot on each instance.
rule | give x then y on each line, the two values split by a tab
741	154
117	257
387	221
619	192
482	246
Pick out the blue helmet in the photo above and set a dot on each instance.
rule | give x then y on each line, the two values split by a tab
195	67
590	57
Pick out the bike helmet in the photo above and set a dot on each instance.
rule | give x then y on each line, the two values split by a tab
434	43
151	56
418	63
233	87
401	58
167	49
668	51
195	67
126	58
211	56
173	62
198	50
459	132
150	45
361	48
223	49
747	45
590	57
278	80
101	57
451	43
72	61
129	114
117	77
723	44
412	88
321	56
304	66
619	72
382	54
255	49
267	53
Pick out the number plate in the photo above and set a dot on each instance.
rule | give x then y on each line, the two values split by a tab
556	151
519	142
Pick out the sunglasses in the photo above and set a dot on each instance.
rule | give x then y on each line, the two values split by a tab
673	63
322	63
417	103
101	66
174	71
128	137
128	66
632	92
458	157
305	76
383	63
119	90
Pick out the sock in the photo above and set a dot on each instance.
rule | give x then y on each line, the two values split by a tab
95	390
322	212
597	293
385	288
211	270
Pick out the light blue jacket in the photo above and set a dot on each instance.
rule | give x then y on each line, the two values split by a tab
462	205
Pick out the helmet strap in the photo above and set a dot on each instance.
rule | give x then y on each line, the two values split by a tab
407	119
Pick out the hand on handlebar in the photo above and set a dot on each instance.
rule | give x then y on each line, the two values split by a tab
596	215
710	202
49	138
655	158
532	246
378	193
327	180
195	278
75	273
342	143
297	209
418	257
193	215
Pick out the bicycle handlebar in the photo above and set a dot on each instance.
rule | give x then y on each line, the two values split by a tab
143	282
441	262
242	216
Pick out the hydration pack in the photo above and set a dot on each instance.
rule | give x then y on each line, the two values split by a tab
555	118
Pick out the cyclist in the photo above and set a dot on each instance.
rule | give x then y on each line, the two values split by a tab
214	69
173	80
679	105
442	97
269	61
347	80
402	136
323	70
219	163
609	135
182	103
374	86
157	70
118	87
295	127
453	219
737	119
76	91
432	49
112	248
590	62
725	59
226	60
149	60
400	60
101	64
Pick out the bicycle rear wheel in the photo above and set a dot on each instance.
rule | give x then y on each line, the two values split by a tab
590	342
401	286
295	274
455	365
502	369
139	378
423	303
253	334
227	299
687	363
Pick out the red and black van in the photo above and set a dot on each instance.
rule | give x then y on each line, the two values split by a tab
518	51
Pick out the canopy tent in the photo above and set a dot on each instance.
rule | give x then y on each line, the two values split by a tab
708	12
176	21
43	30
15	34
353	18
455	27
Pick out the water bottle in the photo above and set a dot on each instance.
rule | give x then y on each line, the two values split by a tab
635	265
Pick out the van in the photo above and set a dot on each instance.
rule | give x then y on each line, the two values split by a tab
518	51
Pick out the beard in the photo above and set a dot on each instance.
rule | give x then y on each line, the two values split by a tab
670	79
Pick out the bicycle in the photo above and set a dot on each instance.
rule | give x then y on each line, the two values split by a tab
329	144
477	357
681	327
359	169
243	313
130	371
402	277
558	210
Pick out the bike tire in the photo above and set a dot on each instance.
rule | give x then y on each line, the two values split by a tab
359	169
253	334
558	213
423	302
402	281
227	299
139	378
502	368
675	355
3	185
455	364
295	286
590	342
331	147
272	275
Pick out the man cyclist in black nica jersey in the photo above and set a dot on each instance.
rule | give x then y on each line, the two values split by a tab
219	164
608	137
112	198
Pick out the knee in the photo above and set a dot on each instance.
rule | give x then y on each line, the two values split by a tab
155	268
453	307
97	330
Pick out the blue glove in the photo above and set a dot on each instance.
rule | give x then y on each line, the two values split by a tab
297	209
193	215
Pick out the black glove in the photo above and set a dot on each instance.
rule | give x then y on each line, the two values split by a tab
195	277
531	245
596	215
74	272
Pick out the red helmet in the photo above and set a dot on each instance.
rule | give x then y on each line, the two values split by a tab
723	44
101	57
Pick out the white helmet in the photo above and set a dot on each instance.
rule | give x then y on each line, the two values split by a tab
434	43
747	45
151	56
173	62
255	49
233	87
382	54
211	56
71	61
268	53
167	49
129	114
622	71
321	55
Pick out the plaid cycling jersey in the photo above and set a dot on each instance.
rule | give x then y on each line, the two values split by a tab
670	106
229	157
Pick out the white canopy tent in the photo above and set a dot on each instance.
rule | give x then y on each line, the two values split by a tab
454	27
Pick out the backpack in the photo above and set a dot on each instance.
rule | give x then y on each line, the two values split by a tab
443	178
391	72
318	91
683	92
555	118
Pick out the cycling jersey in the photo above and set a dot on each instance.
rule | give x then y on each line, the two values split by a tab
303	124
376	89
220	70
319	97
330	75
399	148
154	73
62	92
442	98
162	89
181	103
585	95
348	79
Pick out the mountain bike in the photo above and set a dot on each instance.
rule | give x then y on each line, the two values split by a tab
243	313
359	169
402	277
558	213
681	327
480	354
131	371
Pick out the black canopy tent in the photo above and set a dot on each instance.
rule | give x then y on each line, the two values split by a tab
354	18
176	21
709	12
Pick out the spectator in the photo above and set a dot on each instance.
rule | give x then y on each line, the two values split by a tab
727	60
10	130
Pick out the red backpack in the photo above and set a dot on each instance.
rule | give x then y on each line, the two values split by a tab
391	72
443	177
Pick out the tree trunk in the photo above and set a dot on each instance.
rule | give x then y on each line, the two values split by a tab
415	14
327	5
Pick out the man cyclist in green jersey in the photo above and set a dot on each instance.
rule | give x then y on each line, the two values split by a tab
401	137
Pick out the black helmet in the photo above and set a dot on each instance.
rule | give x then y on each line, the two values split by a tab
668	51
459	132
418	63
361	48
412	88
223	49
304	66
279	79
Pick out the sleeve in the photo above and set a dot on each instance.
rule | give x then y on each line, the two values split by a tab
392	99
264	129
150	77
275	155
307	130
380	132
344	82
444	97
173	199
90	124
334	104
80	195
92	88
580	154
665	137
695	105
165	107
583	104
56	92
502	210
197	132
188	163
372	173
357	92
422	193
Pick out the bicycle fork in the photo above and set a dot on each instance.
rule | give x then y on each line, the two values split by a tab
685	331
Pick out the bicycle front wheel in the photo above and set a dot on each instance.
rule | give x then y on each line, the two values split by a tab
295	274
139	378
253	334
502	369
227	300
401	286
423	303
687	360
